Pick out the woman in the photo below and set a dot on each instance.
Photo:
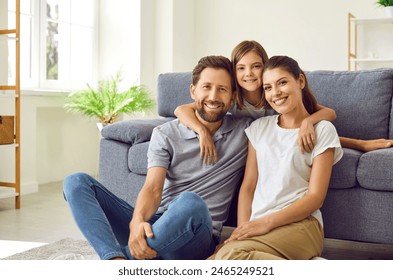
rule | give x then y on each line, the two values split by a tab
278	210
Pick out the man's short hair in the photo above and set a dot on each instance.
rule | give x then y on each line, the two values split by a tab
216	62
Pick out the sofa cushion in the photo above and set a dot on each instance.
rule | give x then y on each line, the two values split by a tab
173	89
137	158
375	171
344	171
362	100
132	131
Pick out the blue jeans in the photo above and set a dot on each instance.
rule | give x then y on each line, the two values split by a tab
184	231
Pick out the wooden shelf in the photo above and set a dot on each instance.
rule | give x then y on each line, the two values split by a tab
386	20
7	87
8	95
354	58
372	59
7	31
6	192
14	145
13	189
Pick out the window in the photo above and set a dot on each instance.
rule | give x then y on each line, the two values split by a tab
58	40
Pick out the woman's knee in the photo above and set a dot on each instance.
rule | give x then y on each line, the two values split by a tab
229	252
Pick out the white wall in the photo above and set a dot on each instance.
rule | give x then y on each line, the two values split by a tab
313	32
167	38
66	143
54	142
119	32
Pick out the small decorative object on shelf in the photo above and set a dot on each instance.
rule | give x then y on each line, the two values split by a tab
7	130
388	6
107	102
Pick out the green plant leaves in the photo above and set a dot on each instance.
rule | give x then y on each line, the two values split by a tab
385	3
106	102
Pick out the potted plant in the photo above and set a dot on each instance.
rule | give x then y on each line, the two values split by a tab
388	4
106	102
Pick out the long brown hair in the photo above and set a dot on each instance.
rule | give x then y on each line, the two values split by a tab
292	67
238	52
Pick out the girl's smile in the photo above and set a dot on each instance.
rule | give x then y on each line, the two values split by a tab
249	72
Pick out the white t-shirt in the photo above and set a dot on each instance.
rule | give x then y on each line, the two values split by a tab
283	171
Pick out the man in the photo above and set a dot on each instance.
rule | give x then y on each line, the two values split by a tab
180	209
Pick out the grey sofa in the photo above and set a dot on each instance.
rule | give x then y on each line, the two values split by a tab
359	203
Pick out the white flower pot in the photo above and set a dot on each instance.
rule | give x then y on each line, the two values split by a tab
100	126
389	11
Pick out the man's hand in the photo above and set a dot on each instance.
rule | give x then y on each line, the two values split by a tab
139	231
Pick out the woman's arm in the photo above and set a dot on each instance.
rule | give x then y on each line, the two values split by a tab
186	114
247	188
306	138
301	208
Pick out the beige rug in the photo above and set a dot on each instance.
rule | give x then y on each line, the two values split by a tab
64	249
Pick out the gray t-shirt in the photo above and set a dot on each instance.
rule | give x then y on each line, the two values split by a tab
249	111
176	148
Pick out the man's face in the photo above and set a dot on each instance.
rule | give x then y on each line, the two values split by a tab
212	94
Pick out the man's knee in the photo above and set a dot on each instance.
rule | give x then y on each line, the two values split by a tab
72	184
193	202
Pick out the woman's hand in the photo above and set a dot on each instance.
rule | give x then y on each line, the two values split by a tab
306	138
208	150
250	229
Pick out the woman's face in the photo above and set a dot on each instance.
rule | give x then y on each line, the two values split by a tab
249	72
283	92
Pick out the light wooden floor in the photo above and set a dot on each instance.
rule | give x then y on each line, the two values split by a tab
45	217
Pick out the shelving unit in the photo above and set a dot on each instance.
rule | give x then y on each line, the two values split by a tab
354	57
12	189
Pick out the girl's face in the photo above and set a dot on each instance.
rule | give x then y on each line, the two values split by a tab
249	72
283	92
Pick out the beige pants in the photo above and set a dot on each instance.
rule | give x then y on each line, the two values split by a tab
297	241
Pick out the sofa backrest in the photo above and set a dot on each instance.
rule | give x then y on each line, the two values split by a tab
173	89
362	100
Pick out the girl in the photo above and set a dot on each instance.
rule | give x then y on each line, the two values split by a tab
248	58
278	210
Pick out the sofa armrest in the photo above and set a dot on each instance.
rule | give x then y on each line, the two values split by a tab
132	131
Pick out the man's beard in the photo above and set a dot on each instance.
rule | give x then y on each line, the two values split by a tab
210	117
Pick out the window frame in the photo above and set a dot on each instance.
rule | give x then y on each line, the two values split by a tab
38	80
